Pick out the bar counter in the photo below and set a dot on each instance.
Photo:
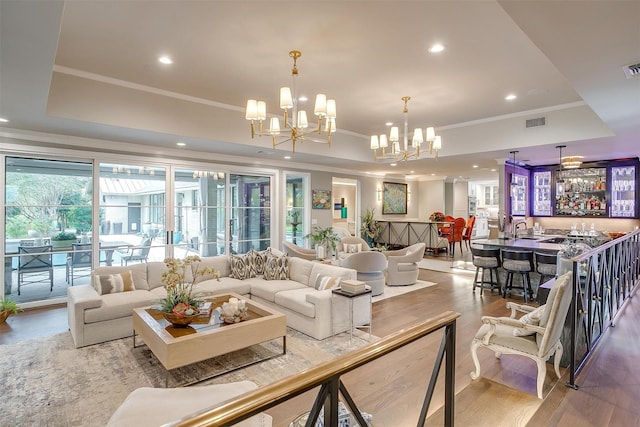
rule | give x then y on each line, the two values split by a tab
547	243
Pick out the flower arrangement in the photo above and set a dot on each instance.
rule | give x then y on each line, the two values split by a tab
437	217
369	227
181	301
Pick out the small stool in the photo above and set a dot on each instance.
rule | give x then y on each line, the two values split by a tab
485	259
546	266
518	262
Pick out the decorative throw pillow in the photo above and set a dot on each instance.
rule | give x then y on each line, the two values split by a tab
354	248
113	283
277	268
259	260
326	282
240	266
531	318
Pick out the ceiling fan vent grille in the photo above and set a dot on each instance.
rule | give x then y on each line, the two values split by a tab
632	70
540	121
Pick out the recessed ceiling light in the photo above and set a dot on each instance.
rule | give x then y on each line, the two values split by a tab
493	170
510	97
389	124
287	157
393	164
412	171
181	144
3	120
475	166
433	174
436	48
165	60
303	99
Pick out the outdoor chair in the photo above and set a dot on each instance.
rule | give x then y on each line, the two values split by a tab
535	335
34	260
137	253
79	259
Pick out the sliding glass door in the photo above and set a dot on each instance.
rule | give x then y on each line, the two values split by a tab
250	222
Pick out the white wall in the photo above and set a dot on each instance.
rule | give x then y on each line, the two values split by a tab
430	198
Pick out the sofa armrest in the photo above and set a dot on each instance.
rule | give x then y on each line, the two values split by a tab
322	301
79	299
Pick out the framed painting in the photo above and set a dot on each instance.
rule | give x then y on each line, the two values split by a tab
321	199
394	198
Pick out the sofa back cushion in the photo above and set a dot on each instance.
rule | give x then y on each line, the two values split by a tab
300	270
154	274
138	272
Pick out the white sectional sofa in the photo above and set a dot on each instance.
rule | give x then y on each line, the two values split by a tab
95	318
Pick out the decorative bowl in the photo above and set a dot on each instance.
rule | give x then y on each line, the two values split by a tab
179	321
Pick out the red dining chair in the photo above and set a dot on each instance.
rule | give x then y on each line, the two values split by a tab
468	231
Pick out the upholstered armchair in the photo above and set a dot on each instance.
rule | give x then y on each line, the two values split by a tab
402	265
535	335
298	251
370	266
350	245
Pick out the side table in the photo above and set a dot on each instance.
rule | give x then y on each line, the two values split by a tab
339	293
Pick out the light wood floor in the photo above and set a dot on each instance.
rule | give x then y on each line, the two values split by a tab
393	387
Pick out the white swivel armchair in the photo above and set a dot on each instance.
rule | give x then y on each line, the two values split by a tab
402	267
526	338
370	266
350	245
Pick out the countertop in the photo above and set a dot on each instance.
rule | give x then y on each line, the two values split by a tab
532	243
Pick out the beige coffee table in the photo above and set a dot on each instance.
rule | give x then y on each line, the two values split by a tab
207	337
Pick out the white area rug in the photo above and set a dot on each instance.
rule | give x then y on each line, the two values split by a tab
447	266
394	291
48	382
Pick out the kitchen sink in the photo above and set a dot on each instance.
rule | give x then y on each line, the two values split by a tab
554	240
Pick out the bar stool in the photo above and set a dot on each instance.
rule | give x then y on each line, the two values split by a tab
518	262
485	259
546	266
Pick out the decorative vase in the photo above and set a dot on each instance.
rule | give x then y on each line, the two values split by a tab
179	321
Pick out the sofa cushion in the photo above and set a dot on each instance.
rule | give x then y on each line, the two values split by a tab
240	266
118	305
138	271
112	283
295	300
226	284
277	268
300	270
154	274
267	289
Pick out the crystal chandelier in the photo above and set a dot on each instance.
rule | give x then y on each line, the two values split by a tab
390	148
296	122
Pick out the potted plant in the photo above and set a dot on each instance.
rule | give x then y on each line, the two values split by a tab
181	305
369	227
325	238
7	308
63	239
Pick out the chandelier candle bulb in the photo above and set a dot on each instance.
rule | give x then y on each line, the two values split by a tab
331	109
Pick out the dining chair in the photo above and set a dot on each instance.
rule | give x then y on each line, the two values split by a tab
137	253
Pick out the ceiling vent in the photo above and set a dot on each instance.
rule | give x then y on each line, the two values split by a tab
632	70
540	121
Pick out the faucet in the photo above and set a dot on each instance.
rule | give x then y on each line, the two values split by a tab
514	227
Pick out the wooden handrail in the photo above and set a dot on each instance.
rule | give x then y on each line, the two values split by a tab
256	401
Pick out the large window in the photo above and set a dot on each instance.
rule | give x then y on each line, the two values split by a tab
295	205
250	222
48	207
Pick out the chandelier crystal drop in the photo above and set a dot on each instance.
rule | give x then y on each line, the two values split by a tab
398	149
295	121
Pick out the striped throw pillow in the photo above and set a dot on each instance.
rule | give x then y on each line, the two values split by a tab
114	283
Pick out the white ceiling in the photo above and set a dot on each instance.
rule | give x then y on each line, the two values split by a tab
89	69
